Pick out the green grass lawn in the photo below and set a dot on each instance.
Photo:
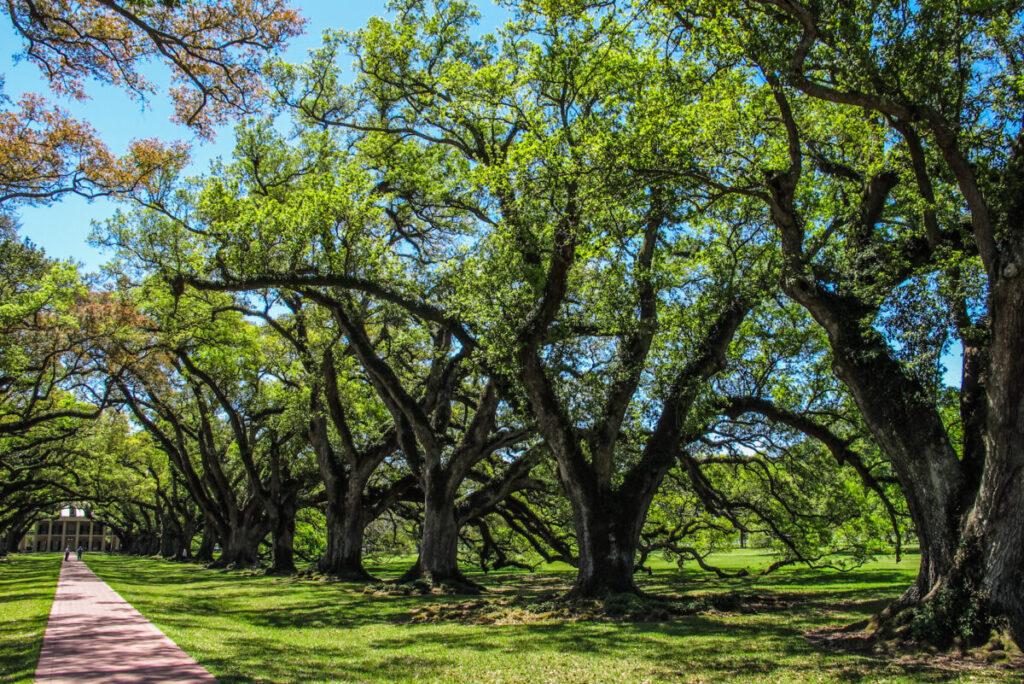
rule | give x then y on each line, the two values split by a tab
244	627
27	584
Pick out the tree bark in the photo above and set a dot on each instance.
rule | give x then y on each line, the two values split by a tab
16	528
346	519
241	538
607	536
439	546
241	546
140	543
346	525
8	541
171	540
997	518
282	520
208	543
905	425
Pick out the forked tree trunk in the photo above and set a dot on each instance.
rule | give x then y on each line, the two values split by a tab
241	546
169	544
172	539
208	544
608	526
607	550
240	541
346	519
283	533
910	432
346	525
971	576
439	545
997	519
926	466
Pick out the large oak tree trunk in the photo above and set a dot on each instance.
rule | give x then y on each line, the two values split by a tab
438	560
241	546
903	422
240	541
343	557
11	535
175	536
997	519
282	519
607	536
609	522
439	546
140	543
969	527
171	541
208	543
346	518
1002	542
7	542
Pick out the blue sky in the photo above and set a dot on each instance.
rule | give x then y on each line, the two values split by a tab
62	229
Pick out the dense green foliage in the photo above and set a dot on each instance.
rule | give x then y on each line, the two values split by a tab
614	284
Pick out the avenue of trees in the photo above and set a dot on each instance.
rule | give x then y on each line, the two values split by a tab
615	280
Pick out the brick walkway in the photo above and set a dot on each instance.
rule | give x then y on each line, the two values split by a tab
95	636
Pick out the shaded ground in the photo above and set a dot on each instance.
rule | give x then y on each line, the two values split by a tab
248	628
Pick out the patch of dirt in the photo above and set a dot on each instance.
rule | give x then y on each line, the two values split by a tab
417	588
749	604
618	608
992	656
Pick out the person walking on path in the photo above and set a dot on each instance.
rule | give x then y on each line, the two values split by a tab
67	552
78	552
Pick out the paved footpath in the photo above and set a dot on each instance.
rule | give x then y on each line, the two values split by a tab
94	635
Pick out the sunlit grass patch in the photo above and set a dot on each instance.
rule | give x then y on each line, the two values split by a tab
27	586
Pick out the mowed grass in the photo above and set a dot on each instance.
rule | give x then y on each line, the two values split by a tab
245	627
27	586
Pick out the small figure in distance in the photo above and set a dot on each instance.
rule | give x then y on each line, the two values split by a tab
67	552
78	552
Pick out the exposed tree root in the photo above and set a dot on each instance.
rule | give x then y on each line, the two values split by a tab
953	624
996	653
450	583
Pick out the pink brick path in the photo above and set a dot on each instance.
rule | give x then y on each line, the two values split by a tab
95	636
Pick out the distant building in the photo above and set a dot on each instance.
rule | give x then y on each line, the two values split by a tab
69	529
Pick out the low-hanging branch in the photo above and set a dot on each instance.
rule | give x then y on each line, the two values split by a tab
840	449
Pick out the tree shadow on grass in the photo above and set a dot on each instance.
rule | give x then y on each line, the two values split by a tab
19	652
280	665
679	648
293	629
24	579
25	595
27	585
131	570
